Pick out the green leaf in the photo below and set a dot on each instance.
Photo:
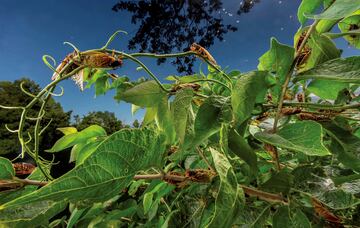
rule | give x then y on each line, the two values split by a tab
149	116
97	75
229	198
75	216
164	120
279	60
350	27
179	110
351	39
300	220
79	137
134	109
340	70
111	167
102	85
146	94
86	151
326	89
147	201
282	218
293	137
67	130
339	9
6	169
279	182
245	93
241	148
212	113
307	7
345	145
31	215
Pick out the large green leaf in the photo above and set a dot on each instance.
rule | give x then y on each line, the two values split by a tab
326	89
247	90
341	70
345	145
229	197
105	172
241	148
305	137
307	7
6	169
212	113
279	60
179	109
339	9
70	140
146	94
31	215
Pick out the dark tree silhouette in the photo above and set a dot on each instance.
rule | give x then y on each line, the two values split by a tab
166	26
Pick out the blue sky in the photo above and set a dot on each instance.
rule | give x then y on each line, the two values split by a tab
30	29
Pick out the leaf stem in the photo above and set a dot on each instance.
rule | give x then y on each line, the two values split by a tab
212	80
147	71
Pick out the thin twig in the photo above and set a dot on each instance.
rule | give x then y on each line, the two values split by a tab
205	159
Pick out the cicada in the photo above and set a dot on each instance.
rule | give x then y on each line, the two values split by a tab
304	53
91	60
202	52
22	168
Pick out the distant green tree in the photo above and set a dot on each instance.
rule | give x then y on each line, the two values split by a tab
106	119
11	95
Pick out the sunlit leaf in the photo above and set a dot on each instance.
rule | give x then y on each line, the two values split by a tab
146	94
67	130
339	9
307	7
341	70
326	89
294	138
111	167
79	137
